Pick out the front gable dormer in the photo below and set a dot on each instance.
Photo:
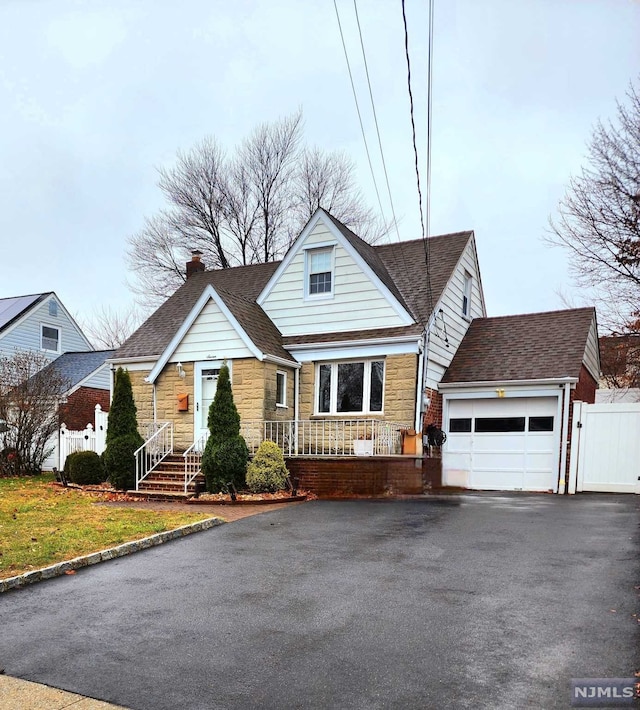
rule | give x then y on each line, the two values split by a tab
326	285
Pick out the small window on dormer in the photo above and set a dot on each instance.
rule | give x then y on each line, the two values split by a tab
320	272
466	295
53	308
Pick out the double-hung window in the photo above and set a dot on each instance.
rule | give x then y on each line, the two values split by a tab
319	272
50	338
349	387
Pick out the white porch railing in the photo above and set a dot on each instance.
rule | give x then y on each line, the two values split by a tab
192	459
327	437
154	450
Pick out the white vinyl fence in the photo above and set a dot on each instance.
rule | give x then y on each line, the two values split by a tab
605	448
92	438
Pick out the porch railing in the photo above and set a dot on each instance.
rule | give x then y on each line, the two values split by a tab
193	458
327	437
154	450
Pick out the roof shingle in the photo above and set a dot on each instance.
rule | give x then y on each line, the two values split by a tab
532	346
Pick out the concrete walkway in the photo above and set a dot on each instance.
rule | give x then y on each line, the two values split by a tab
16	694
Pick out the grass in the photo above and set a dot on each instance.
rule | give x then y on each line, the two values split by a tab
41	524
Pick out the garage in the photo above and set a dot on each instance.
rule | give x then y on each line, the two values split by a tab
507	399
503	444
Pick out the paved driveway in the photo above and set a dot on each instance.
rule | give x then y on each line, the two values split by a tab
480	601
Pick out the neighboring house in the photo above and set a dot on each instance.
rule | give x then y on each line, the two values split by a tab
335	331
89	378
341	331
39	323
508	399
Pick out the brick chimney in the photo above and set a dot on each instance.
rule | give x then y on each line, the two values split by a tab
195	264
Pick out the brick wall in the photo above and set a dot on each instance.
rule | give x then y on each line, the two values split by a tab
344	477
80	407
433	415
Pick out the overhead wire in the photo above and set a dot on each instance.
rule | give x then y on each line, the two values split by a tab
375	118
355	97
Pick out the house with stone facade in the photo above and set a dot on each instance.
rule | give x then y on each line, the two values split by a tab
344	353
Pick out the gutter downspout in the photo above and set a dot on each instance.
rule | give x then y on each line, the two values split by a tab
296	402
420	385
565	439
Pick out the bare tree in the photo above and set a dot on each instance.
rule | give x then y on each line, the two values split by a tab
242	209
107	328
29	400
599	218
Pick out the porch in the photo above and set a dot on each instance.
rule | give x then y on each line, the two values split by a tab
326	456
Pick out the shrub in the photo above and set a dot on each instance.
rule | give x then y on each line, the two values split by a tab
225	463
68	461
122	412
85	468
267	472
223	419
119	461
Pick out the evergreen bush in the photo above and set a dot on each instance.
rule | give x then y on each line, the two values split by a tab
122	435
85	468
120	462
68	462
226	454
267	473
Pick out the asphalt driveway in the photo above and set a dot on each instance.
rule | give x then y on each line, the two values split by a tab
482	601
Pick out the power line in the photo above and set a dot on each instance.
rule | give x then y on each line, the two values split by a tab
425	228
355	98
375	118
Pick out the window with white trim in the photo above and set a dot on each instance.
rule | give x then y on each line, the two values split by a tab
281	389
349	387
50	338
319	272
466	294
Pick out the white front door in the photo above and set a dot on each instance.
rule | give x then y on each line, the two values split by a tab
206	382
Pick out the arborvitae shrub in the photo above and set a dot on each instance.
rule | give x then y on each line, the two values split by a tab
120	462
225	456
68	462
267	473
225	463
122	435
85	468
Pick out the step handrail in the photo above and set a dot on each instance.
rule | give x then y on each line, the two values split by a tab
193	459
154	450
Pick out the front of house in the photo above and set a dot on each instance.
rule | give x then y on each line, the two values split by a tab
346	340
345	350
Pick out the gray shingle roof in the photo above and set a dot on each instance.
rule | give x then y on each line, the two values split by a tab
75	366
400	266
532	346
12	308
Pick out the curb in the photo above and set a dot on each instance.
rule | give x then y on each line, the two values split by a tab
110	553
270	501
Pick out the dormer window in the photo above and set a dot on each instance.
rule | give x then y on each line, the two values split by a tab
320	272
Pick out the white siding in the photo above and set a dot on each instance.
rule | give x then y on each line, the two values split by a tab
591	354
357	303
100	379
25	335
450	325
211	335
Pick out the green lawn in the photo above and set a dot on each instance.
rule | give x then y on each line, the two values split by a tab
41	524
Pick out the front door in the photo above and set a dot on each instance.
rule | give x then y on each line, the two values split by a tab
206	381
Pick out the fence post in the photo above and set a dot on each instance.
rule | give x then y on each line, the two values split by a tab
100	428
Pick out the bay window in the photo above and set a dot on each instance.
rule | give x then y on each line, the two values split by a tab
349	387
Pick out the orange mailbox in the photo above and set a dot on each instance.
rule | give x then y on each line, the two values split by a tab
183	402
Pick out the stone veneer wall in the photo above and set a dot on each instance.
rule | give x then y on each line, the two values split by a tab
168	386
271	411
401	373
142	394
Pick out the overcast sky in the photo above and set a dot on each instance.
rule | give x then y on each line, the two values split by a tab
96	94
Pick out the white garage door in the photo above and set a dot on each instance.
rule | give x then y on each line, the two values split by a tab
502	444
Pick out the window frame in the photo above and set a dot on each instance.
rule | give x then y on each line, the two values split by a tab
466	294
42	337
333	387
281	404
308	273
